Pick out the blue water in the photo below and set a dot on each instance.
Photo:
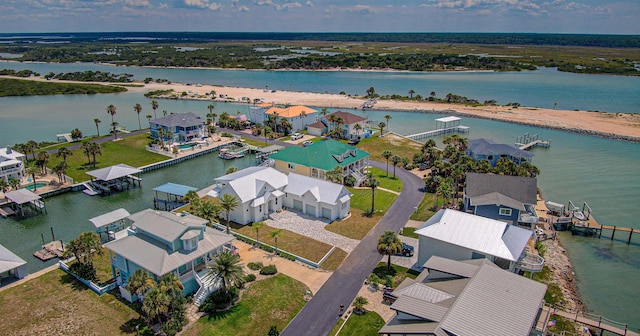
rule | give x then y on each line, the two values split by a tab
580	168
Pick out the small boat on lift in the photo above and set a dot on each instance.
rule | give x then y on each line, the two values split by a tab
228	154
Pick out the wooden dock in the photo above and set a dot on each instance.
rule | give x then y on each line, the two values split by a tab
6	212
526	142
598	322
54	249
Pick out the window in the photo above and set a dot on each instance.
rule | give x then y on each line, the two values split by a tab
291	166
260	208
505	212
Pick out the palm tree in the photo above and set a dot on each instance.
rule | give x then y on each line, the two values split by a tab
14	183
139	283
60	169
411	93
372	182
33	171
389	244
444	190
31	146
164	113
357	128
227	267
95	149
138	108
171	285
395	160
387	117
149	118
111	110
256	227
210	107
192	197
324	111
359	303
228	203
42	159
154	106
4	185
381	125
97	122
231	170
86	149
207	210
275	234
371	91
335	175
64	152
303	115
156	304
387	154
433	95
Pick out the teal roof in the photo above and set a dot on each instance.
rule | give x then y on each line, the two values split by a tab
323	155
174	189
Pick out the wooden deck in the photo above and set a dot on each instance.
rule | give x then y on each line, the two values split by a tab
598	322
54	249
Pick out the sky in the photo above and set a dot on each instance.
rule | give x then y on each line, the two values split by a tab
532	16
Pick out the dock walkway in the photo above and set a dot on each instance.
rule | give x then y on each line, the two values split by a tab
526	142
598	322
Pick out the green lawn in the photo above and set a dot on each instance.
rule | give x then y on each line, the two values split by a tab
425	209
366	324
130	150
102	264
397	273
273	301
357	225
361	199
388	182
57	304
409	232
397	145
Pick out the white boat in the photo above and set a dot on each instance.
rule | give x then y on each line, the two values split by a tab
227	154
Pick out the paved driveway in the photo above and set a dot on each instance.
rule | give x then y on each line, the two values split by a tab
408	262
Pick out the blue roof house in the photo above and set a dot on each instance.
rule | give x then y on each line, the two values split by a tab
487	149
178	127
164	242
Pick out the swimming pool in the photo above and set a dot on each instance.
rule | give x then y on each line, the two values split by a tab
186	146
38	185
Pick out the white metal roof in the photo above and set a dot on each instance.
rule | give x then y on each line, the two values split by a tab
109	217
164	225
323	191
21	196
448	119
484	235
8	260
248	184
113	172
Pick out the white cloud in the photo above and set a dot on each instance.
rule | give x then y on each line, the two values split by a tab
203	4
281	7
309	3
138	3
163	6
243	9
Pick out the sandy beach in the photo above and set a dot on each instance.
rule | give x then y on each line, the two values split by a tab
624	126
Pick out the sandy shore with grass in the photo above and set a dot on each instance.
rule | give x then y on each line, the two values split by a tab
624	126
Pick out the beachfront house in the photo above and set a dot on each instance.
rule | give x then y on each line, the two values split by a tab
256	112
264	190
11	164
163	242
11	265
459	236
317	159
178	127
299	116
344	122
487	149
467	298
510	199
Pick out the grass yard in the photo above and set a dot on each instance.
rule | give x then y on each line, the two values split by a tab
387	182
130	150
425	211
273	301
397	273
409	232
357	225
102	264
335	259
397	145
361	199
366	324
56	304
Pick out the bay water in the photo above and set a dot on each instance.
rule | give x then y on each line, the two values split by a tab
602	172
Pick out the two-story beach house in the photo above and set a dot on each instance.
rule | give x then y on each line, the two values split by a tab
467	298
11	164
299	116
263	190
178	127
487	149
459	236
163	242
323	156
511	199
344	122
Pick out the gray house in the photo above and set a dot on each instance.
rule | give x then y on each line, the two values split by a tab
467	298
178	127
487	149
511	199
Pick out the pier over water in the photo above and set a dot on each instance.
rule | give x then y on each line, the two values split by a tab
444	126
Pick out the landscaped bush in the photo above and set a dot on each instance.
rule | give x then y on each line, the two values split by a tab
226	134
255	265
269	270
286	256
266	248
86	272
249	278
219	300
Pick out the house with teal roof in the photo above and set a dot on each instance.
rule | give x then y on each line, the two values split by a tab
323	156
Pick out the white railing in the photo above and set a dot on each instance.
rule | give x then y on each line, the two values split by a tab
530	262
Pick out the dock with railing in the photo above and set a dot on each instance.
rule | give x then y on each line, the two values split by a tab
446	125
526	142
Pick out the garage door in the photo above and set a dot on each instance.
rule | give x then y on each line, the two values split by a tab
311	210
297	205
326	213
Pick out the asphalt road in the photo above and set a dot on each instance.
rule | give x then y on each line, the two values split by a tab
321	313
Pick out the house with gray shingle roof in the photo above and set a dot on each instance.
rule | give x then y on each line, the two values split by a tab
264	190
487	149
467	298
162	242
510	199
177	127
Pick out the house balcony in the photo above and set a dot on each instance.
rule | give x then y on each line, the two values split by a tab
528	218
530	262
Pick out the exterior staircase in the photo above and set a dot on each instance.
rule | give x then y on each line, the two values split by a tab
359	177
208	285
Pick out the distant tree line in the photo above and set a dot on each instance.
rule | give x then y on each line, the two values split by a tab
18	87
91	76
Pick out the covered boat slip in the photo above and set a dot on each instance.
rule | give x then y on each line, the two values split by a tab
170	196
22	197
115	178
111	225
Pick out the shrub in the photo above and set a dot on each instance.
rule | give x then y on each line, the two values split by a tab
255	265
286	256
219	300
266	248
388	281
86	272
374	280
269	270
250	278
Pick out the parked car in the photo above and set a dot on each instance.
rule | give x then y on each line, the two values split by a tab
296	136
307	143
407	250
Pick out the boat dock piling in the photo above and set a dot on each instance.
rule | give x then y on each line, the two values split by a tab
53	249
526	142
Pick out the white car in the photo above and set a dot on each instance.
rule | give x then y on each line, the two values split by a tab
296	136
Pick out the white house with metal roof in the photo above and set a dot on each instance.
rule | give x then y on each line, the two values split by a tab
263	190
11	264
11	164
164	242
467	298
460	236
